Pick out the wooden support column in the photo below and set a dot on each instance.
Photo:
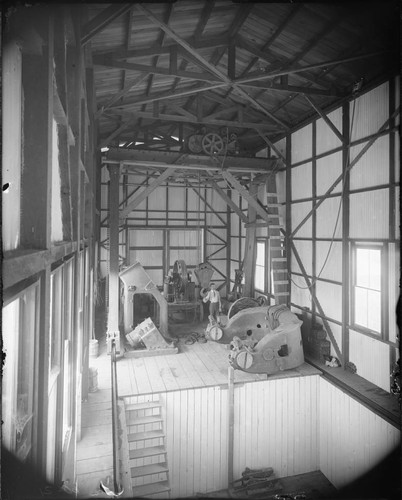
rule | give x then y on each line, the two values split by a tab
249	248
228	246
345	234
288	188
114	289
230	425
313	289
37	83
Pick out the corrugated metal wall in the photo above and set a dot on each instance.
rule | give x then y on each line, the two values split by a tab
352	438
371	216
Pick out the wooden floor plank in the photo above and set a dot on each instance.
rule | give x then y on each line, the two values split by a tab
154	377
166	374
141	376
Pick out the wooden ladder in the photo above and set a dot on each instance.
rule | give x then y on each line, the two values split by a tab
146	454
277	247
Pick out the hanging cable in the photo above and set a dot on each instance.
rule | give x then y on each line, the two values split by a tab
339	210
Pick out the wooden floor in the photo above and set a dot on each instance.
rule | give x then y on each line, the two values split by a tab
196	365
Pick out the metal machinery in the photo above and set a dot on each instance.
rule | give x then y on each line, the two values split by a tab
178	285
213	143
262	339
136	280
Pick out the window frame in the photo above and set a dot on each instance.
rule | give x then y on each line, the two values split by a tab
264	240
382	247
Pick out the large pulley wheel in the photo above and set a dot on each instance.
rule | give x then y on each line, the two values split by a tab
195	143
212	144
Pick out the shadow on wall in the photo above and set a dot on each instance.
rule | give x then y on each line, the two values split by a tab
383	482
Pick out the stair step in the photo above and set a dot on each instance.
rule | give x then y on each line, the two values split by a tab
280	294
279	259
144	420
147	470
140	436
147	452
150	489
142	406
272	194
281	282
280	237
273	205
283	270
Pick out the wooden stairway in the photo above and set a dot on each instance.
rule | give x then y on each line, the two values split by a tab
146	455
280	280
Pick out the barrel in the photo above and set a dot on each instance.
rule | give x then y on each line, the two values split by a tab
93	348
93	379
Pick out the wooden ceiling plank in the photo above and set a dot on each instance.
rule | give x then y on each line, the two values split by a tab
204	18
232	61
326	119
102	20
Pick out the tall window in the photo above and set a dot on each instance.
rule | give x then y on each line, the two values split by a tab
260	266
367	309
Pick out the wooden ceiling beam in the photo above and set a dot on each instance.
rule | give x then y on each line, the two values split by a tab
204	120
158	49
145	193
103	143
133	83
102	20
271	145
151	70
292	89
326	119
208	65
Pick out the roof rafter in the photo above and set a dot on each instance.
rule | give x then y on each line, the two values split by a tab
102	20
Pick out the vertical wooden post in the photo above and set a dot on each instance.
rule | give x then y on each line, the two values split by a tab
314	216
288	210
345	235
249	252
230	424
228	242
114	289
37	82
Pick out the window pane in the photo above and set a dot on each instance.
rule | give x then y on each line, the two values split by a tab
374	310
375	270
362	267
259	281
361	306
260	261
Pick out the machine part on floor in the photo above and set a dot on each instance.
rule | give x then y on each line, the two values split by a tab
136	280
203	272
255	483
237	287
262	339
240	304
146	334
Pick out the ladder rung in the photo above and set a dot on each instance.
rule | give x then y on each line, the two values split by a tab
279	294
272	194
147	470
147	452
144	420
281	282
282	270
280	237
140	436
273	205
150	489
142	406
275	226
279	259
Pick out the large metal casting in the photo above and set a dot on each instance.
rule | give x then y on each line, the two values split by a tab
262	340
